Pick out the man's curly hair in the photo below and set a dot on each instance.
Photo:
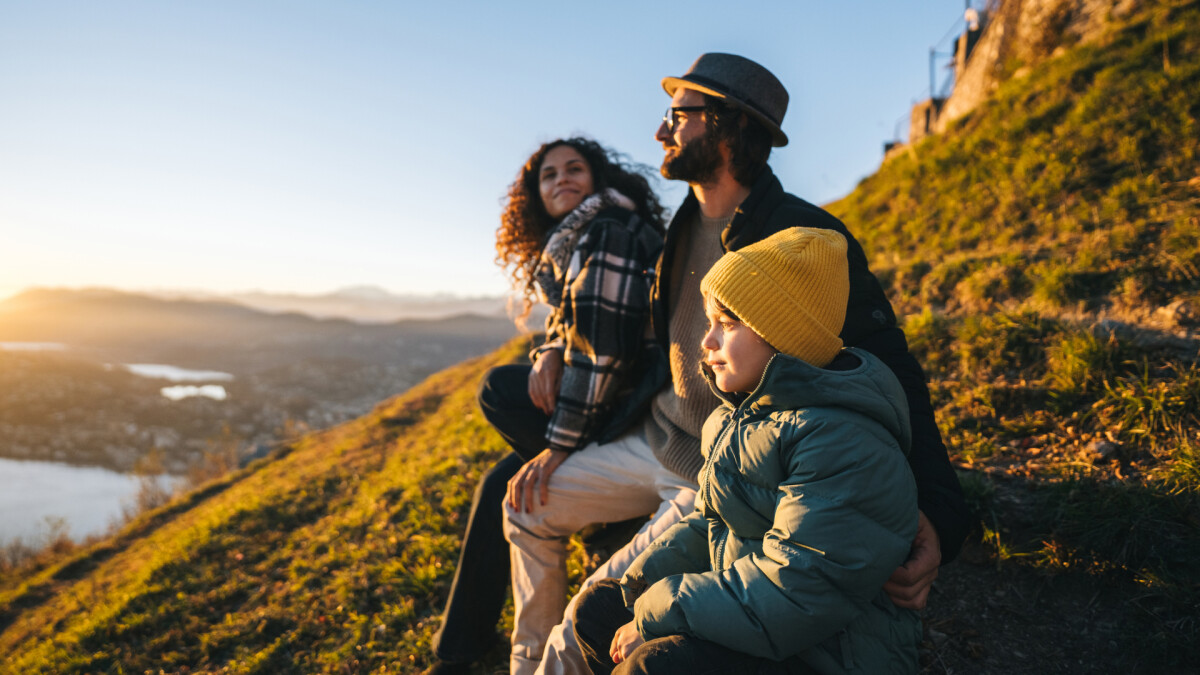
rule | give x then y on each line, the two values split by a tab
524	223
749	141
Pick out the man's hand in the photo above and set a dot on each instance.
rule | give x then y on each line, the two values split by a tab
626	639
910	583
535	475
545	378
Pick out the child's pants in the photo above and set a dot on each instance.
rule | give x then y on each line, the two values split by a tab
598	484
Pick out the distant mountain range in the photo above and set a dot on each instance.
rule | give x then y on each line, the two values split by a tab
366	304
228	335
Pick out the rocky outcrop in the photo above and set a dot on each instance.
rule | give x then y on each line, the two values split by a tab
1021	33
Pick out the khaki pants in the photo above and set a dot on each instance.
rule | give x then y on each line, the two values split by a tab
599	484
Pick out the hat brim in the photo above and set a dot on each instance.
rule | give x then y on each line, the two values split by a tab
778	138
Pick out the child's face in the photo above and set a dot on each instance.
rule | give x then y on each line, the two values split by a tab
736	354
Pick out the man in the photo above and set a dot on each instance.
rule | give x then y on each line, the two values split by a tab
724	119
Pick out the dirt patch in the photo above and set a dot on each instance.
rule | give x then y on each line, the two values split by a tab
984	618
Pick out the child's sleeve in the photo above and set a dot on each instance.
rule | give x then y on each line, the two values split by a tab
843	521
682	548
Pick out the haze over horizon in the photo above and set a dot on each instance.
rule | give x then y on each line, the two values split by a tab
254	147
361	304
358	291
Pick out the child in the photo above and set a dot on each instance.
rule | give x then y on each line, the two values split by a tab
806	501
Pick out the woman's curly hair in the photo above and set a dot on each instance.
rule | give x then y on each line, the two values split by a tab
524	223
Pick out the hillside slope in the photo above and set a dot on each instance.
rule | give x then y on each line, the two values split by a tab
1046	252
1075	188
326	557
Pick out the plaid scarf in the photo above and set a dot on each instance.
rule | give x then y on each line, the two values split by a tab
560	243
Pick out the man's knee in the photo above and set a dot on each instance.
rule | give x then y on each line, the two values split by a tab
488	395
528	530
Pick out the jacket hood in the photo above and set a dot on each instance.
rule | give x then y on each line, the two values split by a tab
856	380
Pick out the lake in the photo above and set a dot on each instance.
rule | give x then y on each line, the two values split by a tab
89	499
176	374
32	346
158	371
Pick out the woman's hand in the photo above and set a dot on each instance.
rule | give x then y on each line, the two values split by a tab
535	475
626	639
545	378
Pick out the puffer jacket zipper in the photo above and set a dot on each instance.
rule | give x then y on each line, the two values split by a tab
735	418
707	481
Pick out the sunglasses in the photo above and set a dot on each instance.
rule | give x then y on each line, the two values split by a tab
671	117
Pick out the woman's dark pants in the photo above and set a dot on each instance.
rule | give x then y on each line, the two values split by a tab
482	577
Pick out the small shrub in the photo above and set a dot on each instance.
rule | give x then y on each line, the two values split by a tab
1147	407
54	543
219	459
971	446
1002	343
930	338
998	282
1078	360
152	491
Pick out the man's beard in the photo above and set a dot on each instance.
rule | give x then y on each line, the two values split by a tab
696	161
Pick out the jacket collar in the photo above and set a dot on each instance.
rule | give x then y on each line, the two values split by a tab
749	217
749	224
854	381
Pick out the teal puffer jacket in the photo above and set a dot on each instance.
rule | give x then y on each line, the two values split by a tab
806	507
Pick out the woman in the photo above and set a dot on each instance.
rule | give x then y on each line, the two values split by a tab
584	229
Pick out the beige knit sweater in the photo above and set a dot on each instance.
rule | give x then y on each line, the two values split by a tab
678	412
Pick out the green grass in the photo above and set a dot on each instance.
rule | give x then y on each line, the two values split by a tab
1070	182
1031	248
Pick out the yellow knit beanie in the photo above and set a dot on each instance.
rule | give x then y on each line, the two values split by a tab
791	288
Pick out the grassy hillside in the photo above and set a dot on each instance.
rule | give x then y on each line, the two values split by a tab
327	557
1074	188
1044	253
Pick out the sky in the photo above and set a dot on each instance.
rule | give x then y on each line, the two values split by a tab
304	147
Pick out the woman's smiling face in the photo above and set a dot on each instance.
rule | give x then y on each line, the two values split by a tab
564	180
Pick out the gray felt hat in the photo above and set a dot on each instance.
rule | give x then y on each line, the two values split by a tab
743	83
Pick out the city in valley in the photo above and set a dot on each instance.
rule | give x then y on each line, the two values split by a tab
138	383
